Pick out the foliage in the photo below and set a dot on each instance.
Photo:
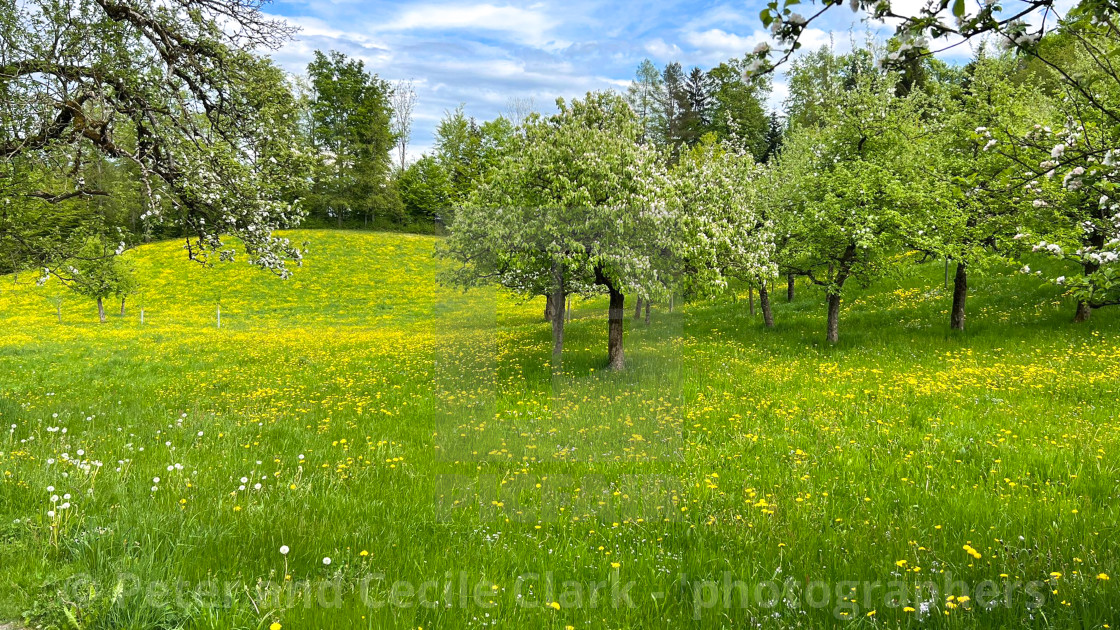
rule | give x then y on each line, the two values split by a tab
174	90
1073	53
678	125
720	229
574	208
98	270
816	82
850	194
579	192
467	151
738	114
1070	168
982	183
644	96
350	127
403	100
676	110
425	189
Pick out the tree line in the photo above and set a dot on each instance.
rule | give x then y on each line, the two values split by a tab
1000	160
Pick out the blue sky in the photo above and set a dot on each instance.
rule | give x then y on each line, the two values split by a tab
483	53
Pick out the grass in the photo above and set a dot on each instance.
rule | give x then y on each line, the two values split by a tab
415	434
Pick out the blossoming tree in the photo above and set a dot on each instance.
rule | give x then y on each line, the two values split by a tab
1069	171
720	230
575	208
97	271
985	207
173	88
852	192
1076	47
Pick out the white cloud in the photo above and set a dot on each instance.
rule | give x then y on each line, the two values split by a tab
814	39
663	51
315	27
715	45
476	69
779	92
527	26
720	16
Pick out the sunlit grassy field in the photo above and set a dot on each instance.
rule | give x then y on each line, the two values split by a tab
416	436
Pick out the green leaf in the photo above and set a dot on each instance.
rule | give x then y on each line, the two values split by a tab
72	618
958	8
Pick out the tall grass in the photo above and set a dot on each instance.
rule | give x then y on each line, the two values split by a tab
417	434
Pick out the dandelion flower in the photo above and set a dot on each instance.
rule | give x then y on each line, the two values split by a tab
326	561
284	550
1102	577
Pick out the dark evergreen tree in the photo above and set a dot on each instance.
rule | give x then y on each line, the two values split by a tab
699	89
678	126
773	137
737	108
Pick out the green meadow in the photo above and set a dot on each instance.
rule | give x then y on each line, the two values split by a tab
360	447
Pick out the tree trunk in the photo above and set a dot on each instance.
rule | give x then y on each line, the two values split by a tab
834	318
834	298
764	300
647	312
637	308
1084	312
549	308
219	316
615	357
141	315
960	296
1085	309
750	295
789	287
569	308
671	296
557	330
101	309
122	306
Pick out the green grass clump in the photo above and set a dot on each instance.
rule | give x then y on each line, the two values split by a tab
416	434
